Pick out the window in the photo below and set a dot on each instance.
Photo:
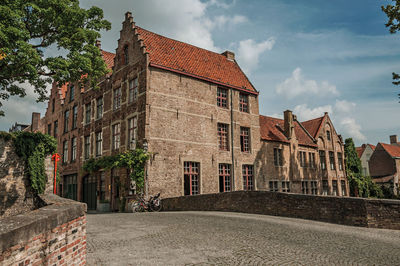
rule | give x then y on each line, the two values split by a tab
65	151
328	135
71	93
132	132
334	188
247	172
99	143
99	108
222	98
87	147
88	113
340	160
332	160
311	156
49	129
278	157
74	116
191	178
273	186
322	159
55	128
314	187
133	90
285	186
223	137
245	139
53	105
302	158
343	187
73	148
116	130
66	118
117	98
224	177
325	187
304	187
126	55
243	102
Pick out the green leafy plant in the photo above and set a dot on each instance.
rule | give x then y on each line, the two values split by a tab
33	148
133	160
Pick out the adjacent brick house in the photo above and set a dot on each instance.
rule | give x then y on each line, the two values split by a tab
364	153
301	157
384	164
195	111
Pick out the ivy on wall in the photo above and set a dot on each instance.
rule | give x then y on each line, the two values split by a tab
133	160
33	148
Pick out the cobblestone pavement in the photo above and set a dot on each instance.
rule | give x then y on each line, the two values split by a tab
218	238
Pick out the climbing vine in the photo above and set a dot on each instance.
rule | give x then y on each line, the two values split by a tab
134	160
33	149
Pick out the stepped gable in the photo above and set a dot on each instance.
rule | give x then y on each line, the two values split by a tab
193	61
108	59
271	129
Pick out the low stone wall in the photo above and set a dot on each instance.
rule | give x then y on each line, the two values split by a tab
339	210
54	234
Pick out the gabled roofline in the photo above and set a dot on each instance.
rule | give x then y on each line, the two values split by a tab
305	130
202	78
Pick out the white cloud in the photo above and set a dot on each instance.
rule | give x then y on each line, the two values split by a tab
297	85
344	106
249	52
350	126
303	112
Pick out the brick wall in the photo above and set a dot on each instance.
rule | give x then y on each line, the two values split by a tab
52	235
339	210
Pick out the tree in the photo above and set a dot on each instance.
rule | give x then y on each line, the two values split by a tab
393	14
29	27
353	168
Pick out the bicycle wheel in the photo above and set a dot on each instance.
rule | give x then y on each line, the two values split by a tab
156	206
134	206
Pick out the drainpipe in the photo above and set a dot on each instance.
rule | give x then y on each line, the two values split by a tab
232	147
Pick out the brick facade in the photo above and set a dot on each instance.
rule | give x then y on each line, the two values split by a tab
188	101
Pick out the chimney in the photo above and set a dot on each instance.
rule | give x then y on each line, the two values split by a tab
98	44
288	124
229	55
128	15
393	140
35	122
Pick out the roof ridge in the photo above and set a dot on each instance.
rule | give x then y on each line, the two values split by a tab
181	41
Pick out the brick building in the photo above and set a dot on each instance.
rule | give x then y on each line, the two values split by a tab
384	164
301	157
195	111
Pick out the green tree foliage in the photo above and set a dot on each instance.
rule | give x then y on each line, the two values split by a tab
33	148
360	185
133	160
29	27
393	14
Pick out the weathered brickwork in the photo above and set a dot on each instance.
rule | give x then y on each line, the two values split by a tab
348	211
63	245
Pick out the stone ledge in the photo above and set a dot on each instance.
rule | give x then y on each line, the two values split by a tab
20	228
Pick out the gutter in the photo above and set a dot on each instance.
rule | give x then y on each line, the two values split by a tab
232	147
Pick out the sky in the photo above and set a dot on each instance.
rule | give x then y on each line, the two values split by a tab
309	56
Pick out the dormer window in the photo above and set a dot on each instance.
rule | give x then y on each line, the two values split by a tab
126	55
328	135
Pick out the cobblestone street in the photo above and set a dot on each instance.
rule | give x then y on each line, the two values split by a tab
208	238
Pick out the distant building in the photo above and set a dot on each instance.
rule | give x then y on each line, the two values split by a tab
364	153
384	164
301	157
17	127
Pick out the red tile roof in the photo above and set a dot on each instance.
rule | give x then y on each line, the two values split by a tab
272	129
360	151
108	59
193	61
393	150
313	126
